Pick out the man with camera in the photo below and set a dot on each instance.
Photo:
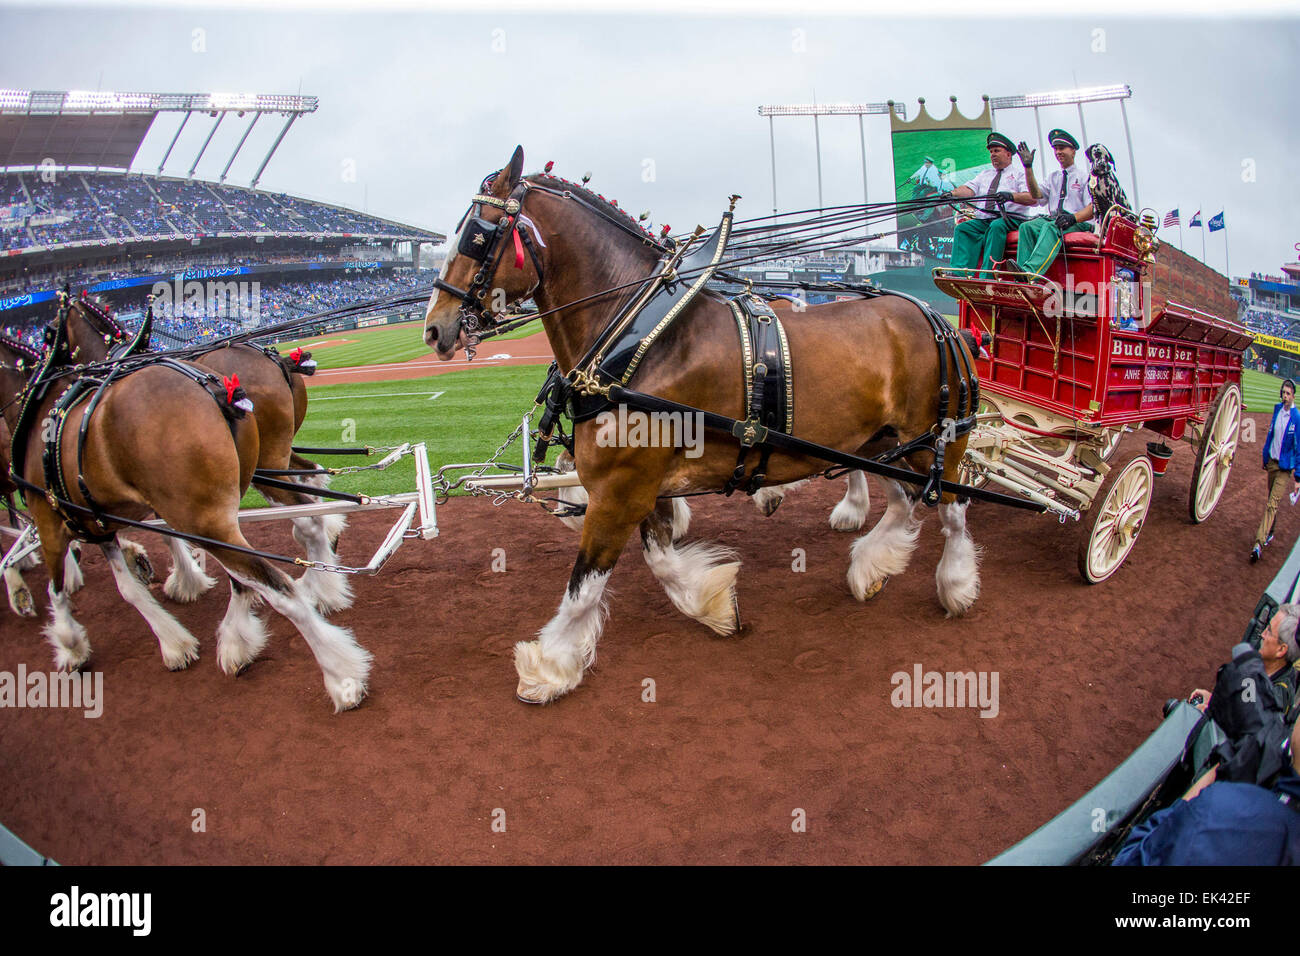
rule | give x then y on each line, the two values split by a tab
1246	809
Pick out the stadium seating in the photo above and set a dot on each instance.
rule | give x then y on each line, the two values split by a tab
78	207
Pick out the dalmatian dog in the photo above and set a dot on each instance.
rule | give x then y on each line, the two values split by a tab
1104	184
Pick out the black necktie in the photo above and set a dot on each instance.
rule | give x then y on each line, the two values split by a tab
989	205
1065	178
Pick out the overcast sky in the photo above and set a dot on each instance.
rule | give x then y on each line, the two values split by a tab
419	105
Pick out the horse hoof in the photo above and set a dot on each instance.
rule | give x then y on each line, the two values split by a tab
846	520
181	663
22	603
65	662
143	568
874	589
542	681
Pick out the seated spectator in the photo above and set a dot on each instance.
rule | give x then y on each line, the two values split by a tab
1221	823
1279	649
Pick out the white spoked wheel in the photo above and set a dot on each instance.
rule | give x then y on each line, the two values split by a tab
1113	531
1214	457
1110	442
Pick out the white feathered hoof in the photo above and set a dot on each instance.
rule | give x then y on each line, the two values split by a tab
863	589
180	652
720	608
71	648
847	517
347	693
958	578
329	591
541	680
239	641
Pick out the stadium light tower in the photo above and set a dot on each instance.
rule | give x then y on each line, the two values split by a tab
826	109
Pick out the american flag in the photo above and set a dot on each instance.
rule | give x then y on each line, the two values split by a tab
1172	218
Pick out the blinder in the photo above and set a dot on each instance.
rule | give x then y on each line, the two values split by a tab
486	243
477	239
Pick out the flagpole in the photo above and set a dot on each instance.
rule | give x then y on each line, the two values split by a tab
1203	227
1226	262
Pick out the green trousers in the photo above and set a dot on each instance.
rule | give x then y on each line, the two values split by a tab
1039	242
980	237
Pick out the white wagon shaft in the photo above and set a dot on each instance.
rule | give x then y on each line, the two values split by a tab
417	520
1104	345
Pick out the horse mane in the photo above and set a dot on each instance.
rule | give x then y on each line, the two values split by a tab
101	307
559	182
19	347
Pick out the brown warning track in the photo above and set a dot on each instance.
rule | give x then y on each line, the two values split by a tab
532	350
793	713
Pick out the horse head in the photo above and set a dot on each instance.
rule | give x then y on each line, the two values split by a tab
540	237
473	289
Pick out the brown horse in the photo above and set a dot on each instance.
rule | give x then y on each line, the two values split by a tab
270	386
160	442
17	362
866	373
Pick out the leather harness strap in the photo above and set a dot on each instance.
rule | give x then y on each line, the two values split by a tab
89	390
768	380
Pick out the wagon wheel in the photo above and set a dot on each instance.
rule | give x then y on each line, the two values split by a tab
1110	440
1214	455
1113	531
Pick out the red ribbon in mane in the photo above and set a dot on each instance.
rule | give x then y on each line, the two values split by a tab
296	356
232	383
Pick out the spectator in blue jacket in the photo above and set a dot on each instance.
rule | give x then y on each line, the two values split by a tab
1224	824
1280	460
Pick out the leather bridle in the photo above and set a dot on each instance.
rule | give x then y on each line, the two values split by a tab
487	243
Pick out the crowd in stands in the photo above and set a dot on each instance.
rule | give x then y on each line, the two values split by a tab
84	206
263	305
271	304
54	274
1272	323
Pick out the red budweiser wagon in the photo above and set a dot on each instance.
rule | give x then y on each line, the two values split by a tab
1121	334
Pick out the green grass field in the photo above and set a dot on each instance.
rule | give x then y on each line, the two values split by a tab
379	346
462	416
1259	390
